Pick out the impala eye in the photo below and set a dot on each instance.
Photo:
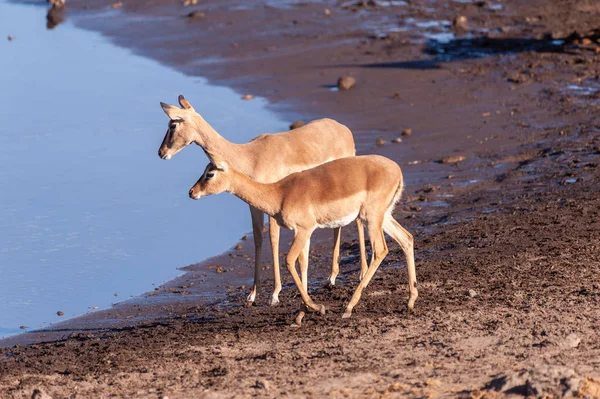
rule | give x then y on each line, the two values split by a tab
210	175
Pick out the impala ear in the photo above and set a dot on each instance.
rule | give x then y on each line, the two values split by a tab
185	104
217	161
222	166
172	111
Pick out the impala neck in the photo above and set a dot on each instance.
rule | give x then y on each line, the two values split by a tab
211	141
265	197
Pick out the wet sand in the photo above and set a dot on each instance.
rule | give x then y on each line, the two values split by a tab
506	240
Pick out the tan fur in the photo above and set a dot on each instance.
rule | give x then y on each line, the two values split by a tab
367	186
266	159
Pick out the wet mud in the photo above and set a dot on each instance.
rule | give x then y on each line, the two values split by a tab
507	231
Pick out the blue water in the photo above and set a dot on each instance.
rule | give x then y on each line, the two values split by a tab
87	208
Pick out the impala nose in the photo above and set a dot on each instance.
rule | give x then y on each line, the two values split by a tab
191	193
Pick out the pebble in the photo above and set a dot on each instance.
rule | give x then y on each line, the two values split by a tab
586	41
380	141
460	22
407	132
247	97
472	293
187	3
296	125
60	313
571	341
346	82
219	269
397	140
238	247
244	238
452	159
397	96
117	5
327	12
262	384
196	15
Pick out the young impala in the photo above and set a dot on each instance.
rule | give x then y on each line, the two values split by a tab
267	158
330	195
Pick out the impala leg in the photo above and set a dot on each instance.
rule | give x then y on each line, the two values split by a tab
258	220
303	261
274	236
363	252
335	266
300	241
380	251
406	241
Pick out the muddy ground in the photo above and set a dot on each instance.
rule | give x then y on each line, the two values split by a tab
507	241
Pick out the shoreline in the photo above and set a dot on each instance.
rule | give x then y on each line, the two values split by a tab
484	116
505	239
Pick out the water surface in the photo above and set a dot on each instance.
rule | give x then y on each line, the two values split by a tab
87	208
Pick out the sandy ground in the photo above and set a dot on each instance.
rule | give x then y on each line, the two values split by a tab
507	241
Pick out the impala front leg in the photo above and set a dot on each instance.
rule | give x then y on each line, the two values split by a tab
258	220
335	266
274	236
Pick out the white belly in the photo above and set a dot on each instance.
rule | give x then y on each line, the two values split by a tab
346	220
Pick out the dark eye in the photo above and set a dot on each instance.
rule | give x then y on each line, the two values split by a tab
210	175
172	127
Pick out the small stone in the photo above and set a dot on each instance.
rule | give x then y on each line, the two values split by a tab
219	269
397	140
296	125
516	77
262	384
247	97
397	96
407	132
460	22
188	3
327	12
23	327
238	247
10	38
380	141
117	5
60	313
39	394
346	82
244	238
586	41
571	341
452	159
597	50
472	293
450	177
196	15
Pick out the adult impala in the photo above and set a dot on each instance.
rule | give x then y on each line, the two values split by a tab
266	158
329	195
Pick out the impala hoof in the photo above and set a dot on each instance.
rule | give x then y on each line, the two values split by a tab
274	302
321	309
347	315
249	304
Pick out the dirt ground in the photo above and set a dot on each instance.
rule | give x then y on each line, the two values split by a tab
507	241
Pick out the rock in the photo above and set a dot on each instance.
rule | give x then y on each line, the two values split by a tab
542	381
188	3
117	5
516	77
244	238
296	125
10	38
380	141
247	97
39	394
472	293
346	82
196	15
397	140
262	384
452	159
238	247
327	12
450	177
219	269
571	341
586	41
397	96
460	22
407	132
60	313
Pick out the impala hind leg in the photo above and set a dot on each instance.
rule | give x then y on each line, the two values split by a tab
406	241
274	230
301	239
335	266
258	221
361	244
380	251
